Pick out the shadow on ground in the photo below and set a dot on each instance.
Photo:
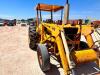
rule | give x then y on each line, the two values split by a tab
53	71
87	69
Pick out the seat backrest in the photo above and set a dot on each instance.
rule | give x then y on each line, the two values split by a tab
71	30
72	33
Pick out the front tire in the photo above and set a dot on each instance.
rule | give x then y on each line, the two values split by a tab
43	57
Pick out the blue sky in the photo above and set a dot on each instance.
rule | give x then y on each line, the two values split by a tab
26	8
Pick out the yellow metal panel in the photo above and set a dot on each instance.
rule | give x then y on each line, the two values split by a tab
76	26
53	28
89	40
87	29
84	56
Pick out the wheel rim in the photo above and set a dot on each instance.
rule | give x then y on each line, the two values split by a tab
40	57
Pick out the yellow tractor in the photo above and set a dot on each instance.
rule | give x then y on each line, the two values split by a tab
62	40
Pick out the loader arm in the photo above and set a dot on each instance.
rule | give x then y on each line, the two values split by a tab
56	33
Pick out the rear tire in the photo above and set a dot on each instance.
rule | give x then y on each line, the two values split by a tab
33	37
43	57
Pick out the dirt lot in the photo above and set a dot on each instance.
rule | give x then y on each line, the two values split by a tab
16	58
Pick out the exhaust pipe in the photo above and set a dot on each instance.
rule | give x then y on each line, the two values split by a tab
66	13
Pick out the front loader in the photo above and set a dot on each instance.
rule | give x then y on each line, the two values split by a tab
62	40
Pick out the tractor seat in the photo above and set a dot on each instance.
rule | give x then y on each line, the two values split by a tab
72	34
71	30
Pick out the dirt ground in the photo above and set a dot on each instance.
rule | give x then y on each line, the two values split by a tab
16	58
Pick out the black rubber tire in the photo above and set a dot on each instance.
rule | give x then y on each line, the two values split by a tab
83	45
33	37
33	40
45	58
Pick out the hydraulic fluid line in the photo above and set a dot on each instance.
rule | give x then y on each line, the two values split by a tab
95	35
97	31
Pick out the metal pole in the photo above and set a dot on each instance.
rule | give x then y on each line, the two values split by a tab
40	13
61	14
40	16
37	18
51	15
